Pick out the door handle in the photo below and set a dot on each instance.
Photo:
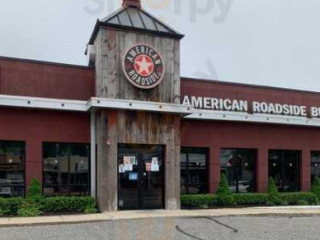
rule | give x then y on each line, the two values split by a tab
143	182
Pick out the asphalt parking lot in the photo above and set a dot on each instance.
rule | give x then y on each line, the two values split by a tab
202	228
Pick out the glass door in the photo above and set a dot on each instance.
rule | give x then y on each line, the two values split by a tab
284	167
140	177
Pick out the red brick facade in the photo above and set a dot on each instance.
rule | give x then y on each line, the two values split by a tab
28	78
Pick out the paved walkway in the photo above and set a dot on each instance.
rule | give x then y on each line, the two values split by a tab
123	215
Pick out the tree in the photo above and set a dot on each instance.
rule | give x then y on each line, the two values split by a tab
34	193
315	188
274	197
224	196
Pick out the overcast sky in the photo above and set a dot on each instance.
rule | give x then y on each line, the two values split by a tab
265	42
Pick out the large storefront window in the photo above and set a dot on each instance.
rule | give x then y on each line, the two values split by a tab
239	167
12	169
284	168
66	169
194	171
315	165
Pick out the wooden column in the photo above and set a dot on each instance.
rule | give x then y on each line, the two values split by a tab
172	167
93	170
107	181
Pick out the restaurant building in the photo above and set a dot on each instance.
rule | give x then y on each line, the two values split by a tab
131	132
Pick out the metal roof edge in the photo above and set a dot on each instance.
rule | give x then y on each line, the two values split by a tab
162	23
249	85
125	28
56	64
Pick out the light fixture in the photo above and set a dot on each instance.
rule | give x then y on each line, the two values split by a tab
290	164
274	164
10	160
246	164
56	161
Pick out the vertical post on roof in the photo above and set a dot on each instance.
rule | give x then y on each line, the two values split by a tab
132	3
93	154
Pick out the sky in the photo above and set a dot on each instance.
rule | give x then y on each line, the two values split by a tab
263	42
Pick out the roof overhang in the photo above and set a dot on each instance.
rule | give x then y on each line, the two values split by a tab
92	104
42	103
253	118
104	103
187	112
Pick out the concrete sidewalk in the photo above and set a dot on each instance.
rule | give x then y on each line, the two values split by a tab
127	215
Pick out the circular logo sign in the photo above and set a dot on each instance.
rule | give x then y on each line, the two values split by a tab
143	66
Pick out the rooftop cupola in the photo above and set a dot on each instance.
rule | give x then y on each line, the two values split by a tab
131	17
131	3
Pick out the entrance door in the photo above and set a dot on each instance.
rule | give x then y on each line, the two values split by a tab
284	168
140	177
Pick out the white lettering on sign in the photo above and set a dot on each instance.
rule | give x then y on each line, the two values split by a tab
315	112
216	103
280	109
222	104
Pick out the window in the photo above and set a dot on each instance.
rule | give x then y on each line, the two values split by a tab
315	165
12	169
239	166
284	168
66	169
194	172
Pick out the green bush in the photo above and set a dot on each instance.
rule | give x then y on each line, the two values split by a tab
34	194
223	188
302	203
68	204
29	210
299	197
10	206
273	194
225	200
198	201
224	196
250	199
90	210
316	187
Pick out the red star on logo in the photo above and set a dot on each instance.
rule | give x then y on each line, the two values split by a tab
144	65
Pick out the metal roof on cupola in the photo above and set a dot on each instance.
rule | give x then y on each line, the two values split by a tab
132	17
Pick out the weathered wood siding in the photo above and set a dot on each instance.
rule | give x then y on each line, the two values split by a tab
111	46
135	127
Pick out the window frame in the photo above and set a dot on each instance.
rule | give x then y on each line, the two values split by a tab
87	193
282	164
190	150
255	168
24	166
311	162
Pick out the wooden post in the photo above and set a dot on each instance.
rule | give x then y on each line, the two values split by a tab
93	177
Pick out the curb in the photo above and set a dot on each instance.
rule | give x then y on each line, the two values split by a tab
120	216
52	220
38	224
